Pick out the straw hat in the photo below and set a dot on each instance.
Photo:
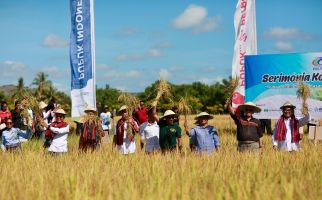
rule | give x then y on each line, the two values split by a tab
168	113
204	114
287	105
60	111
42	105
105	106
250	105
90	109
124	107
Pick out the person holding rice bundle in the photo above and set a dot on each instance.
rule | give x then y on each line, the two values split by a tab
203	137
58	132
286	134
249	129
92	130
125	130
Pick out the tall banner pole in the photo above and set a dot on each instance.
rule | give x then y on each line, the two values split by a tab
82	56
245	44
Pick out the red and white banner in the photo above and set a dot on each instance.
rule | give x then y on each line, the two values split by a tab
245	44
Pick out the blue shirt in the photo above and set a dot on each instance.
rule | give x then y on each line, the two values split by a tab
10	137
204	138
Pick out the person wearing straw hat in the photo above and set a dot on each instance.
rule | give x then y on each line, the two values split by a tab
149	132
286	134
249	129
203	137
170	133
57	133
125	130
39	129
90	138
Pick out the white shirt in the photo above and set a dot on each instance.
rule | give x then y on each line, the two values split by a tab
128	146
150	133
106	119
59	143
287	144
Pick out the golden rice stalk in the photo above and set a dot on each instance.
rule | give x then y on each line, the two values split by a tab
303	92
131	101
233	85
29	102
184	108
163	90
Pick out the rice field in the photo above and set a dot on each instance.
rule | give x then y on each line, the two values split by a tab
105	174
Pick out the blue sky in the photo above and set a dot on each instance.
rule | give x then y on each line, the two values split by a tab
136	41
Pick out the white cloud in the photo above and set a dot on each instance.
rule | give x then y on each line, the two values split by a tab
129	57
281	33
163	45
195	17
123	74
164	74
12	66
191	17
55	72
154	52
176	68
54	41
103	67
283	46
128	31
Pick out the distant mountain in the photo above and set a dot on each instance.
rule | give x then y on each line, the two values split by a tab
8	90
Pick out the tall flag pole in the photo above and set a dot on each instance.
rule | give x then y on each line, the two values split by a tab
82	56
245	44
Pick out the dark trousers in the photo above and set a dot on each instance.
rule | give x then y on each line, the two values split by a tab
266	124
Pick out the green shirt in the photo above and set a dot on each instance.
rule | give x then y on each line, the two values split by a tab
168	136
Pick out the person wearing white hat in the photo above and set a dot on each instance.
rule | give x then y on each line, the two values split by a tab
249	131
125	130
57	133
286	135
39	129
170	133
203	137
90	138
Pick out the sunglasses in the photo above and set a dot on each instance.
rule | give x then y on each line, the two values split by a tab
59	116
9	123
170	117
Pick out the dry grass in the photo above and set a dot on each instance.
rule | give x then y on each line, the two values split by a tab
105	174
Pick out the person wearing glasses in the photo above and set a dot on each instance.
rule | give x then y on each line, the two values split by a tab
58	132
11	137
170	133
203	137
249	129
286	135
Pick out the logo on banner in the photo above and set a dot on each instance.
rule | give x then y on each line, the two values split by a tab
317	61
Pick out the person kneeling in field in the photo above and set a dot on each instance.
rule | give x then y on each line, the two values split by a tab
170	133
92	130
286	135
58	132
11	137
126	128
249	129
149	132
203	137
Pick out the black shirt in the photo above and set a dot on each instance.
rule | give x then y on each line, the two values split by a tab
18	120
247	130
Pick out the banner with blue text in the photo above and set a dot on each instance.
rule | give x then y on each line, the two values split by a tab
82	56
271	80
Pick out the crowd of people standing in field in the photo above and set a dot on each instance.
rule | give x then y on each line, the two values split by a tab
157	134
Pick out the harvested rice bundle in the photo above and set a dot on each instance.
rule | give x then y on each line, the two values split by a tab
303	92
232	86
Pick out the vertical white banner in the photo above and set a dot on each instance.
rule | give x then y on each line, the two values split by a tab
82	56
245	44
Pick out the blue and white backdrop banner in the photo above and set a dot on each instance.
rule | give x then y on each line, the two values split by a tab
82	56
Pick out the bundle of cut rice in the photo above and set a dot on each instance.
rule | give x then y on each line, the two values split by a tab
303	92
